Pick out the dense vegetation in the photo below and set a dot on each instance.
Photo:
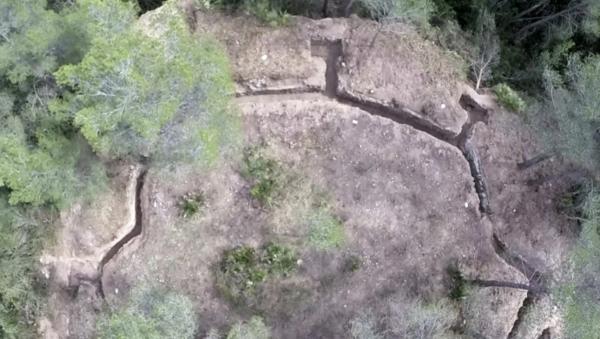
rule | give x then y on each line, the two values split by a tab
80	86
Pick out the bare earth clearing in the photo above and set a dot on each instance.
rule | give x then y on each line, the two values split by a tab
372	123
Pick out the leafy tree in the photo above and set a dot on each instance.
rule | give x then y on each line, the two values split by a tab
562	20
28	33
53	172
136	96
21	238
43	158
150	313
579	290
572	101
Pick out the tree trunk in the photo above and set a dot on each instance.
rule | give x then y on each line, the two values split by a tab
348	8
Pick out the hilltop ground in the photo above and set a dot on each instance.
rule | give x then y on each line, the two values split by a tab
367	130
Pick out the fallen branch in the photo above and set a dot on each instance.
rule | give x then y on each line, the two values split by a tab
525	164
536	289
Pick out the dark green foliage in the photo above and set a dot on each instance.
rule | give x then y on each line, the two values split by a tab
148	5
150	313
21	286
190	204
243	269
458	284
264	175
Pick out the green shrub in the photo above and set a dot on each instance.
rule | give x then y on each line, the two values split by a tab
278	259
243	269
253	329
326	230
458	284
190	204
264	175
150	313
509	98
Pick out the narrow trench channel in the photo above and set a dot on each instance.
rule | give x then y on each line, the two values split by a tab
332	52
527	303
536	281
135	231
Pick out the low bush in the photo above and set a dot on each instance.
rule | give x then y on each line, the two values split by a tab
510	98
264	175
364	326
190	204
326	230
243	269
412	318
458	284
253	329
150	313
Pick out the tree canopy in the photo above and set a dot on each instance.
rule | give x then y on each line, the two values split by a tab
86	74
82	84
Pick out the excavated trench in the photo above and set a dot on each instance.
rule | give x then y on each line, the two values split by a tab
537	282
332	51
78	277
135	231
